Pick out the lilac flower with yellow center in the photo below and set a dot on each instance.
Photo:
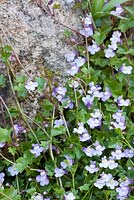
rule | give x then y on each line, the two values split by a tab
119	121
93	48
80	61
42	178
59	92
118	153
59	172
69	196
83	133
109	52
106	95
111	164
37	150
106	180
73	70
88	20
58	122
118	11
38	197
121	102
92	167
31	85
88	101
70	56
68	162
13	171
126	69
95	120
128	153
87	31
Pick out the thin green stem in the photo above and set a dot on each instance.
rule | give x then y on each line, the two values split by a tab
6	159
3	102
65	123
19	107
8	198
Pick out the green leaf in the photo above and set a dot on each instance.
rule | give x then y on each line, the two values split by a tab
124	25
99	37
23	162
7	48
9	194
114	86
97	6
5	135
58	131
41	83
112	4
84	187
83	116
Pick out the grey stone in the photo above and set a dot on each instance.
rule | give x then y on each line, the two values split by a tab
35	36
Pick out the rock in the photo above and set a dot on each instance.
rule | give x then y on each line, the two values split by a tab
35	36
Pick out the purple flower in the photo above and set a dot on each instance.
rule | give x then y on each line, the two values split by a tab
31	86
112	183
88	20
84	137
58	122
80	61
94	90
87	31
18	128
13	171
37	150
97	151
70	56
95	120
126	69
2	144
128	153
67	103
69	196
106	95
88	101
83	133
101	182
74	70
124	190
118	11
38	197
117	154
67	163
42	178
116	37
59	172
81	129
1	178
109	53
93	48
111	164
74	84
121	102
89	151
98	148
119	121
69	1
92	167
106	180
59	92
